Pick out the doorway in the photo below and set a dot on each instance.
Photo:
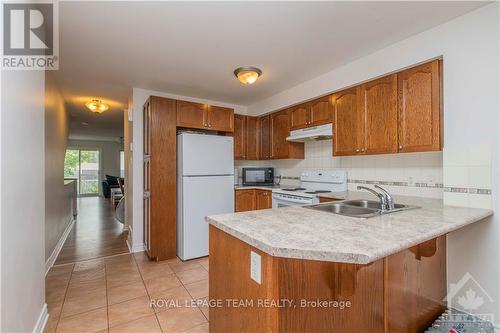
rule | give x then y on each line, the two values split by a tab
83	165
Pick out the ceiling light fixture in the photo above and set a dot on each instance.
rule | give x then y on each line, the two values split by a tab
247	75
97	106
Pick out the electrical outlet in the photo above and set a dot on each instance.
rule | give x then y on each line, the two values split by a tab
410	180
255	267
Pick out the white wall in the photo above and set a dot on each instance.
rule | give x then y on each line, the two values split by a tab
469	46
127	140
23	195
58	206
139	97
109	155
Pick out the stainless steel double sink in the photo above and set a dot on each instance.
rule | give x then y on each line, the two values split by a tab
358	208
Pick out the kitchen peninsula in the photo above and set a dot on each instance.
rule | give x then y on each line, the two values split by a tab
388	272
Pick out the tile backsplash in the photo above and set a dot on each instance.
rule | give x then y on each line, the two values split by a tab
468	176
417	174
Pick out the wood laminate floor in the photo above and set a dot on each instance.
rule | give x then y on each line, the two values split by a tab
95	234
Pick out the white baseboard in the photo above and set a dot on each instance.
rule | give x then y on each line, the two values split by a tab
42	320
52	259
128	245
136	247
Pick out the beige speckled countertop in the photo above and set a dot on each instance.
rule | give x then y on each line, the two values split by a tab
296	232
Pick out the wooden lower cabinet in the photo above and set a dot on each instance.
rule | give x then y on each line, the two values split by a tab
244	200
400	293
252	199
263	199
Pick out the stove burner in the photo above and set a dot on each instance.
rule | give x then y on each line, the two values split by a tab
317	192
294	189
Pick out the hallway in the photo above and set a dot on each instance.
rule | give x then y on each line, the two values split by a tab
95	234
97	286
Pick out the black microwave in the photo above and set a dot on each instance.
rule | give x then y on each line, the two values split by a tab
258	176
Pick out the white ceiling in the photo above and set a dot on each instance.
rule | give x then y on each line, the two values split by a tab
192	48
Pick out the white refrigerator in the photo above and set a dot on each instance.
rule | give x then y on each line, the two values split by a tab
205	186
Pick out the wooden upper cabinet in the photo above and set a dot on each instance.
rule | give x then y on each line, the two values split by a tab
299	116
280	129
239	137
320	111
347	123
265	137
191	115
203	116
244	200
419	108
252	139
220	119
380	115
314	113
246	137
263	199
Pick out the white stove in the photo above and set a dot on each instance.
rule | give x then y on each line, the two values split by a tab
312	184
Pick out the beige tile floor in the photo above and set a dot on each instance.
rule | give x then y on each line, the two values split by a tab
115	294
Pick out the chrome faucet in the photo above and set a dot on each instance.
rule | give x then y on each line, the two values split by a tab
388	196
386	200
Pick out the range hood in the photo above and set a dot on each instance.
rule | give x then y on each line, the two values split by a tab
321	132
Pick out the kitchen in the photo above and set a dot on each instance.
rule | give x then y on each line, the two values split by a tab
399	114
307	166
437	174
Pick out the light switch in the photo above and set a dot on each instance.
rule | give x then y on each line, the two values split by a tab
255	267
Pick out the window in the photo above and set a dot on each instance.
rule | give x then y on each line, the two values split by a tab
122	164
83	166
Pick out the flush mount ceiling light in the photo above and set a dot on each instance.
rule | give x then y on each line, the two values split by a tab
247	75
97	106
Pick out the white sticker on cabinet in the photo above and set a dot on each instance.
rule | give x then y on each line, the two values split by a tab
255	267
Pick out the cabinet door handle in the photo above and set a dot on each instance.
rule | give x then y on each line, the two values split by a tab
357	150
363	149
400	146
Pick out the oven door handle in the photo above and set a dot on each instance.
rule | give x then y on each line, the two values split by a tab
284	199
